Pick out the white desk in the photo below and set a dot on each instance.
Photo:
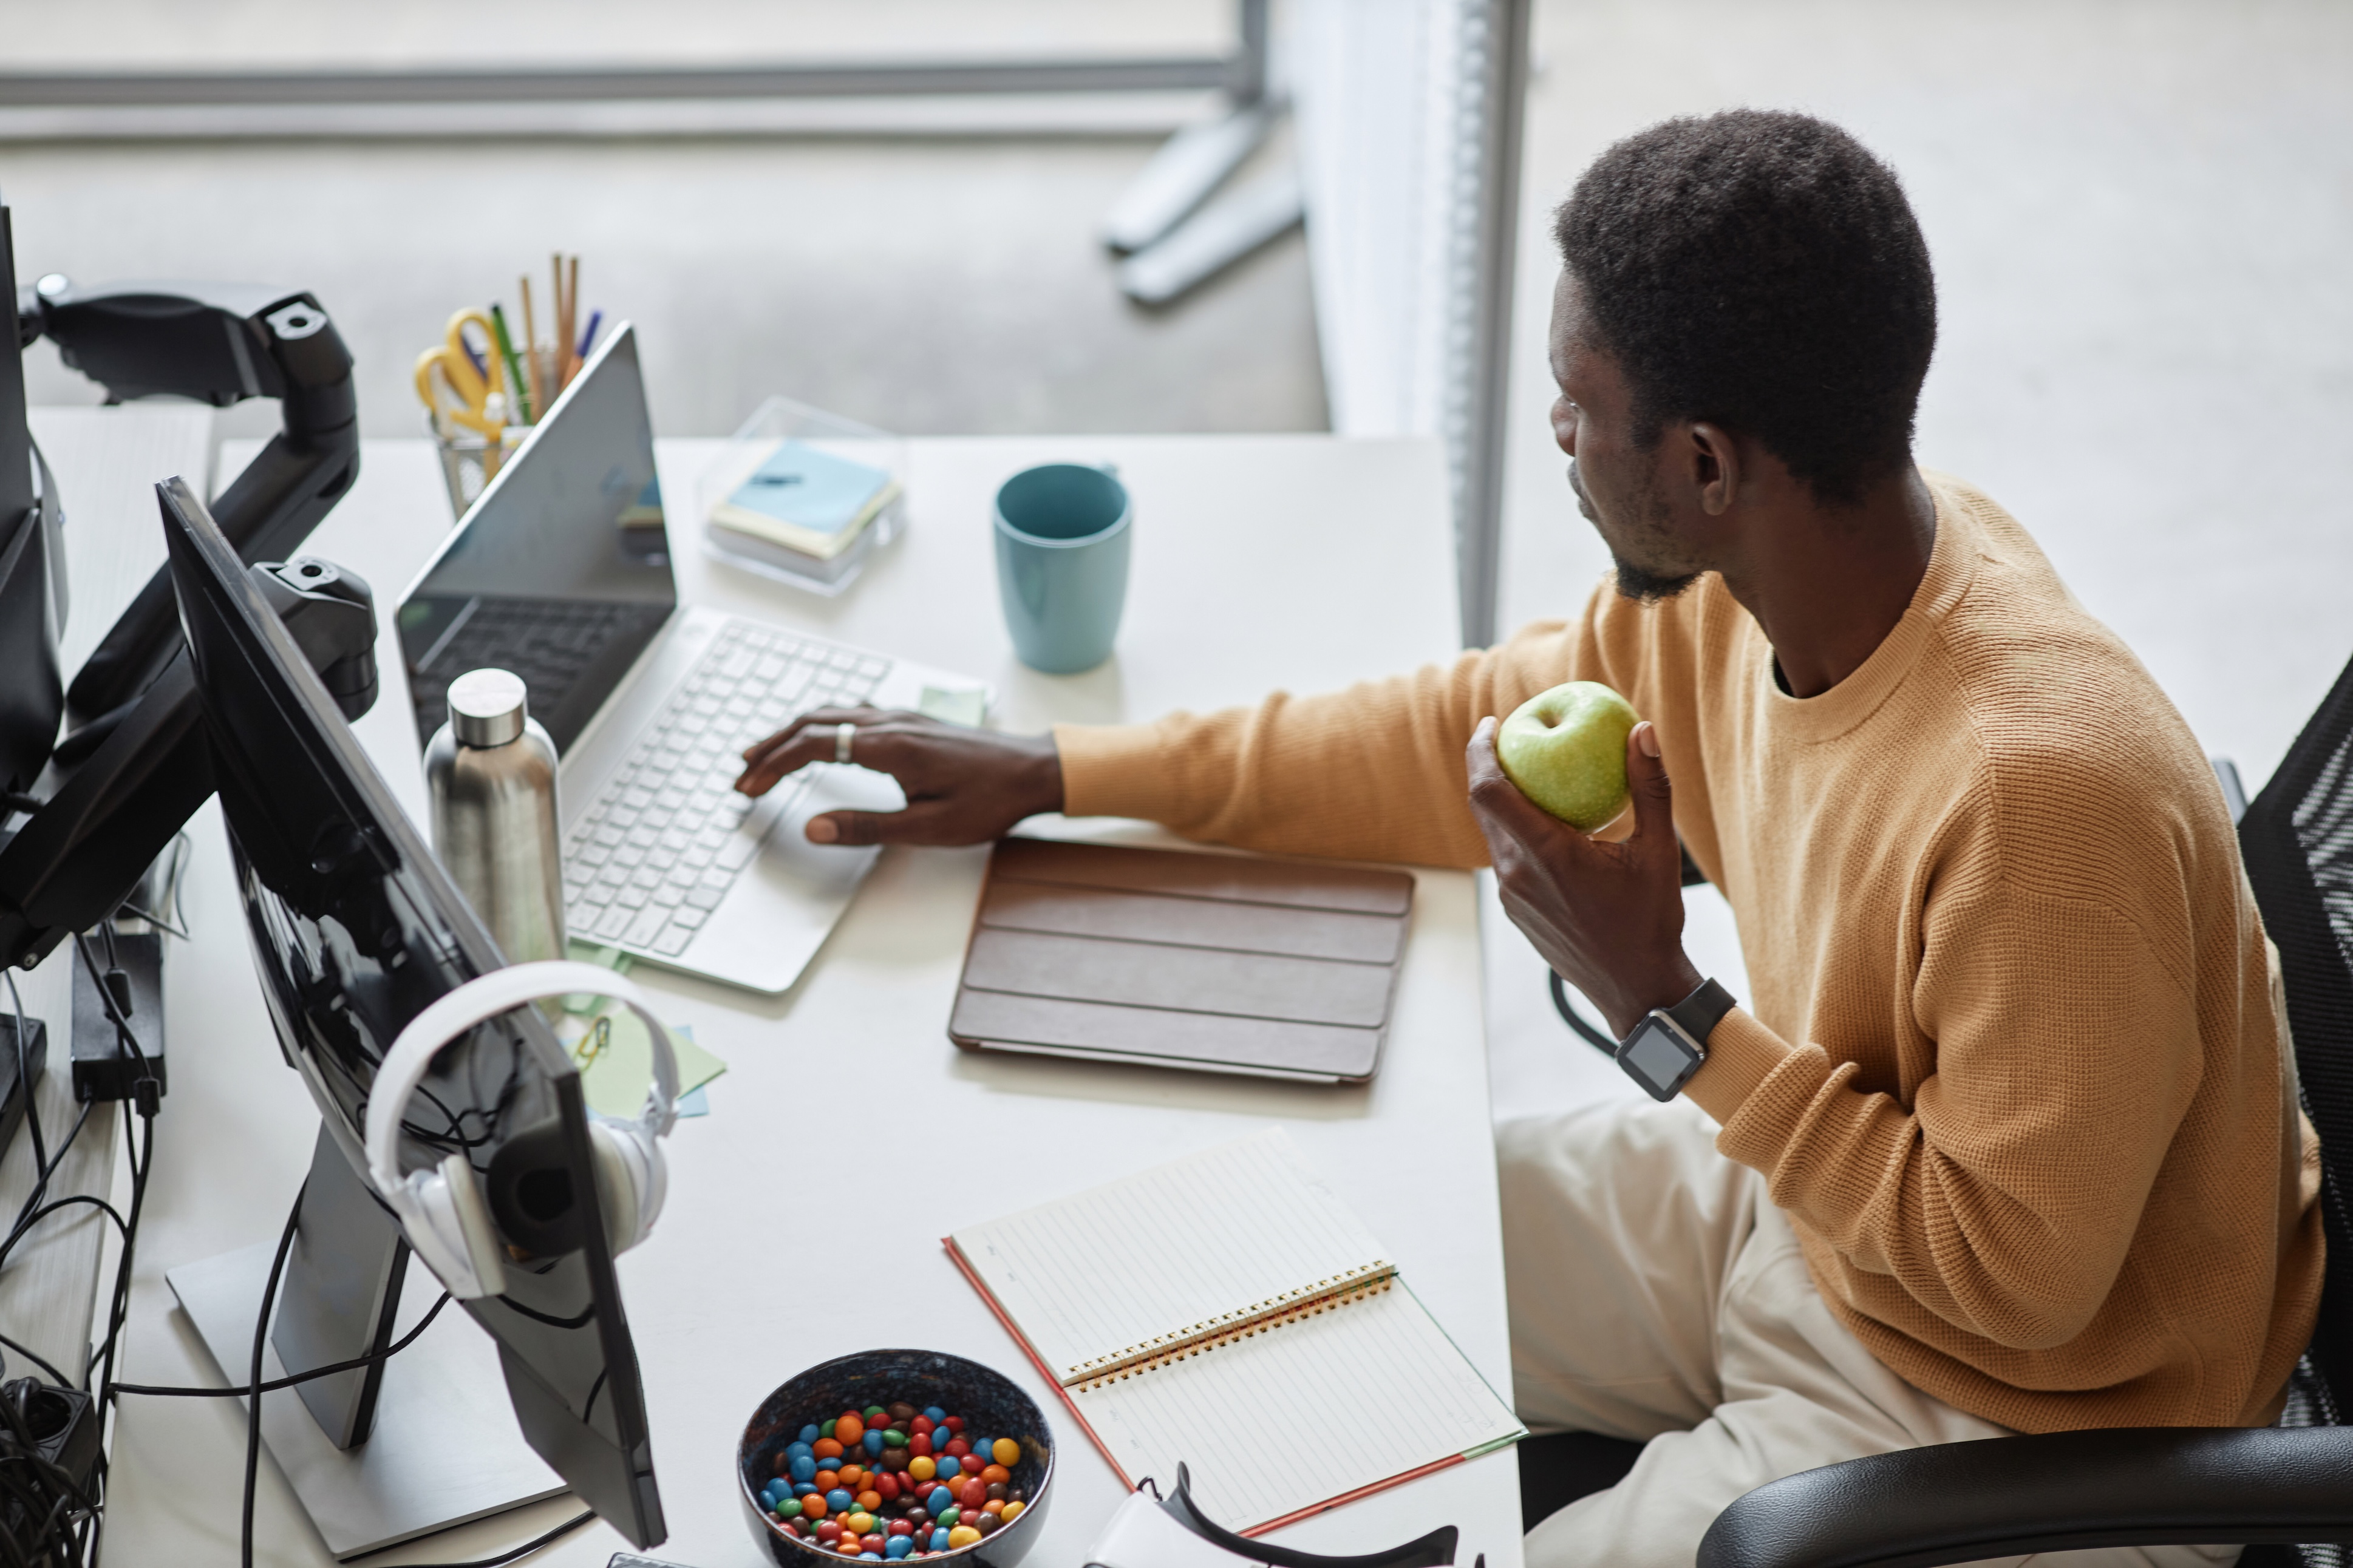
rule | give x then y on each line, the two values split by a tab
51	1285
1304	561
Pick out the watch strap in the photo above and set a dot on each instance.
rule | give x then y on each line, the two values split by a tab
1698	1014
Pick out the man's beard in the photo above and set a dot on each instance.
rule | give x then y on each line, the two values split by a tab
1650	587
1634	582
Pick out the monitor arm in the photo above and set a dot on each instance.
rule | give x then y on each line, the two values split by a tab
81	855
133	765
219	343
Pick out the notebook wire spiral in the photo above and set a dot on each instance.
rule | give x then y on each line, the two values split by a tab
1226	1327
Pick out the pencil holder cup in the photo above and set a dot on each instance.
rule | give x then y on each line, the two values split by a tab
1062	539
470	460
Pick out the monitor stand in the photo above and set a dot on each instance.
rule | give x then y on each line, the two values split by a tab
423	1441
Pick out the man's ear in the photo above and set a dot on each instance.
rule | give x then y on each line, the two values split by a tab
1715	467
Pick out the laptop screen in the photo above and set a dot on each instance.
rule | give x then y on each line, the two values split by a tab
561	571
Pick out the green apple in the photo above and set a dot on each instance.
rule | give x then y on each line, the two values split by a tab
1565	749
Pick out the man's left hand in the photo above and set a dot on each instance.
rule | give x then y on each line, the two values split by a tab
1609	918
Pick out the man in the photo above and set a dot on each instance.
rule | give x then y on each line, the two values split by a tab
2007	1139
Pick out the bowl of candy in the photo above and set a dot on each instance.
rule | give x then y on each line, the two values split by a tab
896	1455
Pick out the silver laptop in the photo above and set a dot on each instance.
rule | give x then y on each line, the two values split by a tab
561	572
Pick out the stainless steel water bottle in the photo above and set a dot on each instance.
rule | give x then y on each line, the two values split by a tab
492	774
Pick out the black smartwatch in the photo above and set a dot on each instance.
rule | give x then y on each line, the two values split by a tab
1670	1043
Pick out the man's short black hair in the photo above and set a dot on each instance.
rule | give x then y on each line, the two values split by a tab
1762	271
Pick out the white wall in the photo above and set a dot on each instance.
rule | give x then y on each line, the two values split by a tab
1374	82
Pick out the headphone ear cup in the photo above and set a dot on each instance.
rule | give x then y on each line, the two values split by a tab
630	1181
409	1205
469	1214
446	1220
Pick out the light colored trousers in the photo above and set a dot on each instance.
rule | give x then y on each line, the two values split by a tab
1656	1294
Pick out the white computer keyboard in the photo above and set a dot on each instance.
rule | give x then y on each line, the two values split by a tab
657	849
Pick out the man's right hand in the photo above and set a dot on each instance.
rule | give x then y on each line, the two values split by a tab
962	786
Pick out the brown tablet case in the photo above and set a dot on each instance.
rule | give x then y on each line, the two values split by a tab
1168	958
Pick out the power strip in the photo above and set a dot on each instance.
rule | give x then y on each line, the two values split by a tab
64	1425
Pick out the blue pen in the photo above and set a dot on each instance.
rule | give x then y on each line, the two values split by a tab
596	319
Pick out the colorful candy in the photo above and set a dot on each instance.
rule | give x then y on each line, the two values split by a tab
891	1482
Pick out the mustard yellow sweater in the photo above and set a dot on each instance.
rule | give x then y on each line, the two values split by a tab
2014	1065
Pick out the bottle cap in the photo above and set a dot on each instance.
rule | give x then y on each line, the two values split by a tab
488	707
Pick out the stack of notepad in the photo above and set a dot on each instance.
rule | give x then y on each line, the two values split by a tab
802	510
1173	1309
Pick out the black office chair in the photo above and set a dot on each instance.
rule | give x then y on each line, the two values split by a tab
2272	1487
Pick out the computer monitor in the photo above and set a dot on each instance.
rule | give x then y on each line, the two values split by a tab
355	929
32	569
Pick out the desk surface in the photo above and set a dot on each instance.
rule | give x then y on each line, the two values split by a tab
49	1292
1302	562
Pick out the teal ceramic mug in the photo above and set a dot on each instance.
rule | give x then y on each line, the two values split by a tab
1062	534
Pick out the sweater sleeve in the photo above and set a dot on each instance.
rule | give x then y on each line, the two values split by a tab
2004	1198
1373	773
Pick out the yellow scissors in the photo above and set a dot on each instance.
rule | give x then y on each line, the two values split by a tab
471	390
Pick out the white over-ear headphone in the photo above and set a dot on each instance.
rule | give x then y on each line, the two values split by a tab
442	1211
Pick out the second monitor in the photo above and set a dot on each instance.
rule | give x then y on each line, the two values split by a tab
355	929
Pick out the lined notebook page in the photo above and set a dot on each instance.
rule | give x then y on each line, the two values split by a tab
1163	1250
1387	1390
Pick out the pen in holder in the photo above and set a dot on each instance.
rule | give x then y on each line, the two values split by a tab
482	393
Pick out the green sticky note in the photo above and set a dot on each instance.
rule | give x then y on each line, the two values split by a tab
616	1063
586	1004
966	705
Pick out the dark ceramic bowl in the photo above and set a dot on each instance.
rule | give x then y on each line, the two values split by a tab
989	1402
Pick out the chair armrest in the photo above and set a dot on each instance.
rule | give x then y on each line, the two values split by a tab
2003	1497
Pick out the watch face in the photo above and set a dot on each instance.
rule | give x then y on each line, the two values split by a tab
1655	1057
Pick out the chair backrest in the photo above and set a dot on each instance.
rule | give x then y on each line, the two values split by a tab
2298	842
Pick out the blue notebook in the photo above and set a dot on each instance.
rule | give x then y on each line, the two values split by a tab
807	499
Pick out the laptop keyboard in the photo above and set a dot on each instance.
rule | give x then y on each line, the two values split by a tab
659	848
551	643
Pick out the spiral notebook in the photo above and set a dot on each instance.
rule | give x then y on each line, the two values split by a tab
1175	1309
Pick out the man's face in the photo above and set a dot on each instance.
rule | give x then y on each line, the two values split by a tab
1617	482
